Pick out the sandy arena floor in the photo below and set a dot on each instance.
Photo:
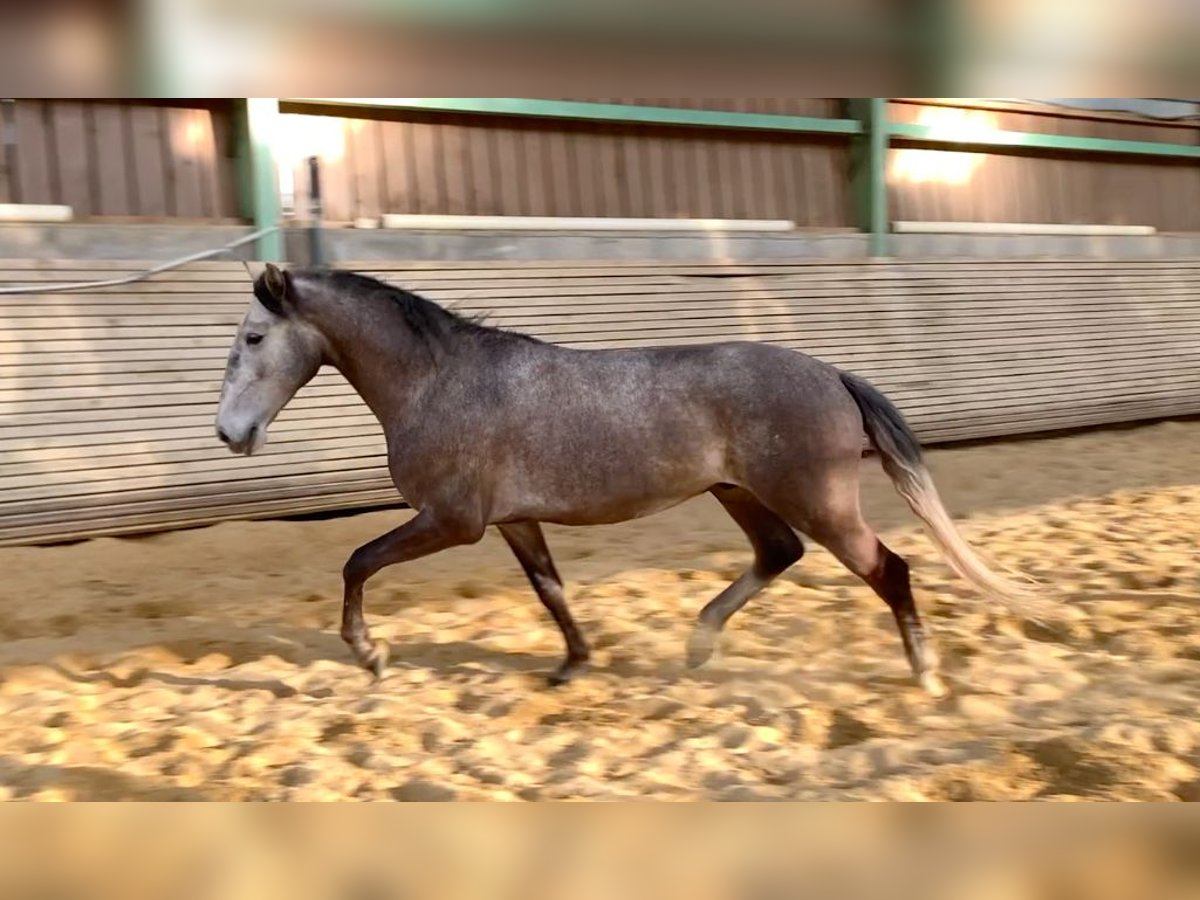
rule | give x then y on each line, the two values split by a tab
206	664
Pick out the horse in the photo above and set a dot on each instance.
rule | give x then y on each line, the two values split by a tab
486	426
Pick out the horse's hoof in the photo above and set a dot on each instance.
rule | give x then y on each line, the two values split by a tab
933	685
701	644
377	659
566	672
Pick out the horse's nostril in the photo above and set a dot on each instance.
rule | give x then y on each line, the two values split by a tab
222	436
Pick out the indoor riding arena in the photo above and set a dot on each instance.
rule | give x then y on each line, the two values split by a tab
170	612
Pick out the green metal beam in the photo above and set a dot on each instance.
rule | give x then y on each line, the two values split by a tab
597	112
928	134
868	159
262	122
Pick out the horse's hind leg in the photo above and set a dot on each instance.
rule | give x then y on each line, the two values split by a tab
859	549
776	547
529	546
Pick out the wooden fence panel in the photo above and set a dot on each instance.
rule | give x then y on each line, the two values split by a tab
480	165
1040	187
120	159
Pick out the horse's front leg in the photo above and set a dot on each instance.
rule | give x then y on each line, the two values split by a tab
425	533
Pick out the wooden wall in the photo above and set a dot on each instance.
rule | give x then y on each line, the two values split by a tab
1069	188
391	162
107	399
404	162
120	159
176	161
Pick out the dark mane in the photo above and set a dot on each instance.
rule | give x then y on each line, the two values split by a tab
429	321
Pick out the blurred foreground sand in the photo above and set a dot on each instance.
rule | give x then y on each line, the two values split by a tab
206	664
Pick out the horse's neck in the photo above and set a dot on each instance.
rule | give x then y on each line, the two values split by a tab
384	366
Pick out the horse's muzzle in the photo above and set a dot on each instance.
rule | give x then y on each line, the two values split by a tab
244	446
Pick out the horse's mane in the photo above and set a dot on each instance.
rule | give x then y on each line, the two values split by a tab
430	322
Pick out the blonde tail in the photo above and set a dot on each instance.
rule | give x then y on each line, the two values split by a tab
902	461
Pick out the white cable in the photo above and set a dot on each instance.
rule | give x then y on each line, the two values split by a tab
137	276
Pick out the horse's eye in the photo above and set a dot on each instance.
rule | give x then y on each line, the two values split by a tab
253	339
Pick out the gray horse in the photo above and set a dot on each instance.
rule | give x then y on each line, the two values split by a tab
488	427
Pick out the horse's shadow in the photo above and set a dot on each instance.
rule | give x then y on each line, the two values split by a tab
90	783
451	660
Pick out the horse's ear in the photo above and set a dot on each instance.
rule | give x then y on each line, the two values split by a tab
273	289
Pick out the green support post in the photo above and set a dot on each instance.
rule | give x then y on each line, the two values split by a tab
260	183
869	174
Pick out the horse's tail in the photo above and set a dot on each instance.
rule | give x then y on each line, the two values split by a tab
902	460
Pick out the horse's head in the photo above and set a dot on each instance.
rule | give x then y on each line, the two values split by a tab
274	354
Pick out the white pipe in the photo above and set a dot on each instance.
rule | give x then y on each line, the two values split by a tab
565	223
35	212
1018	228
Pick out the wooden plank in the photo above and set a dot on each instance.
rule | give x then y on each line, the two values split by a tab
501	271
586	173
71	156
756	310
234	292
749	199
337	188
149	162
366	136
51	527
71	425
198	475
397	173
284	430
9	189
54	530
202	395
38	422
656	188
179	326
34	153
215	468
225	161
231	302
428	190
117	527
570	267
817	345
457	168
164	500
509	169
484	171
611	172
683	173
562	192
57	462
111	171
589	268
207	156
